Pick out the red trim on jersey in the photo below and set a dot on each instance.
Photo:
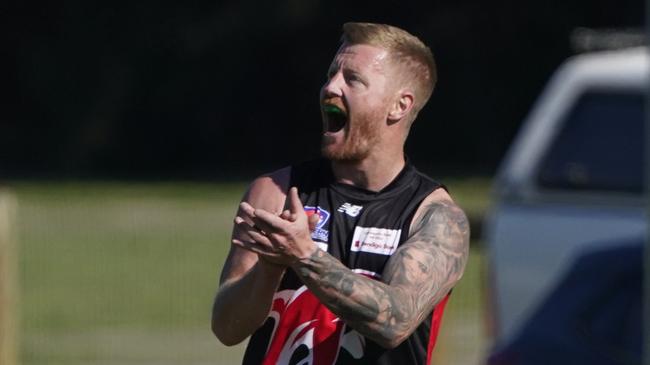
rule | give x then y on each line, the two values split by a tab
436	319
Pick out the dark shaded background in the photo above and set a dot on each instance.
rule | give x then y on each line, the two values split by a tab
221	89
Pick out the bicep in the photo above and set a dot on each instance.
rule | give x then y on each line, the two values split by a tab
269	193
432	259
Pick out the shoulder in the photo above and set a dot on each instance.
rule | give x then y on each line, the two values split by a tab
269	191
439	209
433	257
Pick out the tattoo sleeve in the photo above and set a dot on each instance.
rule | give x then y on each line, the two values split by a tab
417	276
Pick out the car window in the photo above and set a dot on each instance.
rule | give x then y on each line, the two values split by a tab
600	145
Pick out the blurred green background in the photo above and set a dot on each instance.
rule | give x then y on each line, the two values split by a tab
125	273
138	98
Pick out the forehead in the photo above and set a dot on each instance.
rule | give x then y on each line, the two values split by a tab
361	57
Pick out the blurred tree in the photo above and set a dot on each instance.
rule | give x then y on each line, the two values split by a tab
162	89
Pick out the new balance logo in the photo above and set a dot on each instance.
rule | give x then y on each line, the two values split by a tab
350	209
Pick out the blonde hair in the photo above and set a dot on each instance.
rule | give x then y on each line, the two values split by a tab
405	50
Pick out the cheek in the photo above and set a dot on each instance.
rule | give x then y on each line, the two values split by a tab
373	107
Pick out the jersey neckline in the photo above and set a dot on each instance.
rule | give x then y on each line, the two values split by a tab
399	183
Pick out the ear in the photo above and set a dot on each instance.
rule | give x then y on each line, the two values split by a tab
401	106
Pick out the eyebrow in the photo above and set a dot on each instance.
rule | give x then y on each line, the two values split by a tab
336	66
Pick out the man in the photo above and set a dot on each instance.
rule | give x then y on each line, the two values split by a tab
350	258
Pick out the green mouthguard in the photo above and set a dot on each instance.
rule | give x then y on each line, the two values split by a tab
332	109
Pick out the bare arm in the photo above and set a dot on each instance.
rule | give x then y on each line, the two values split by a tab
248	283
417	276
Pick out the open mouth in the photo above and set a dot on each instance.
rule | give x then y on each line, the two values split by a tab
335	118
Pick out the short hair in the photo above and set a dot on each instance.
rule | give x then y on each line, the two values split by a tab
405	49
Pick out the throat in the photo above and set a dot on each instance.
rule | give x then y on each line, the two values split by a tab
368	174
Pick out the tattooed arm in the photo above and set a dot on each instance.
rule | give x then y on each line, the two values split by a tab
417	276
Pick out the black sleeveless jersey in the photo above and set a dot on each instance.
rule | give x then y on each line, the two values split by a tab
362	229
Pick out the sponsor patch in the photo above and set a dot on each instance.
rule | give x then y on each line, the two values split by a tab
350	209
319	234
381	241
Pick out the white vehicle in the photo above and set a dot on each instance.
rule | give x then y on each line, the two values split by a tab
572	183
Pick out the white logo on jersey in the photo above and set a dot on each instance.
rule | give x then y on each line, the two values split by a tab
381	241
350	209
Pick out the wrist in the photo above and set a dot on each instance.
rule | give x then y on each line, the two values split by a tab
308	252
307	257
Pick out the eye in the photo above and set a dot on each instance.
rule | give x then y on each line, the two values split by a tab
353	78
330	73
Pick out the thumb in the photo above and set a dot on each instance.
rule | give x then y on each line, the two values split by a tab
313	221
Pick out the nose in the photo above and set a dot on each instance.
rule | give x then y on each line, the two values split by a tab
332	87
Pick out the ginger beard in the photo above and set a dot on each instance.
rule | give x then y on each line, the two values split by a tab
360	134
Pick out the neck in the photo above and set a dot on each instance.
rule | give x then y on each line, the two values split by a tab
372	173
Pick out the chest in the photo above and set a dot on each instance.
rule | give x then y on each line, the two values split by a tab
361	233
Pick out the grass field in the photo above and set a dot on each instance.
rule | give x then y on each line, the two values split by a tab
117	273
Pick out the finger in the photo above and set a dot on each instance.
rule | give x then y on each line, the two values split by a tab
241	227
269	222
255	248
239	220
246	206
249	215
261	239
246	211
261	252
313	221
294	201
245	225
286	215
253	232
263	226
